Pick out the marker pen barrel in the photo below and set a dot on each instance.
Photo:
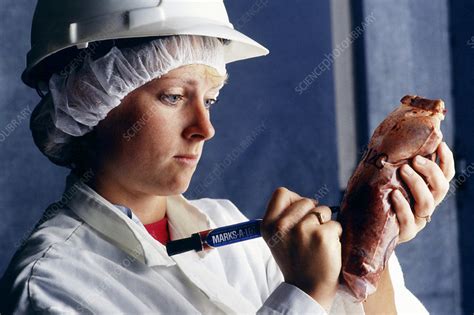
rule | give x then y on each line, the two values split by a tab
217	237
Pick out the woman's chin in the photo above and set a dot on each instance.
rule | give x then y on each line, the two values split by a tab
179	186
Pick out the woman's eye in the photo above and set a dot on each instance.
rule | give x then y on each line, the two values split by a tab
172	99
210	102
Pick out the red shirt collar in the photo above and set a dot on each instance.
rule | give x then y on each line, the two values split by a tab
159	230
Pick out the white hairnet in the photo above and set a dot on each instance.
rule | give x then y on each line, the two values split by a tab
84	97
80	99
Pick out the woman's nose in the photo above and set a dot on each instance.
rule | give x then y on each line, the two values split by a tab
200	125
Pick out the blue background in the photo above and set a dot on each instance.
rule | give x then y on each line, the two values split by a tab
414	47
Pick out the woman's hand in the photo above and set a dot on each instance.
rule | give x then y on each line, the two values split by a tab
429	184
307	252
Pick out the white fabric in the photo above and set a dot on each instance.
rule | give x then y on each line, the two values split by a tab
91	258
84	96
94	20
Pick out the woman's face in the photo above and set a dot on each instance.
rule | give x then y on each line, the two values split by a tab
140	140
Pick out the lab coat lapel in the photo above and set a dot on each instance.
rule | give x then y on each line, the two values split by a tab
185	219
219	292
100	214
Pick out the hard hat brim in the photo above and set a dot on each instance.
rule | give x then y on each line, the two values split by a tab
240	47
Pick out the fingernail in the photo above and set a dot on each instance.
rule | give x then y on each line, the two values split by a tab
420	160
407	170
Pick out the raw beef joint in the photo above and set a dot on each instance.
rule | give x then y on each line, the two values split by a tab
370	227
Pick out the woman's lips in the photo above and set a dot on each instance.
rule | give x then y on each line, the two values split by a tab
187	159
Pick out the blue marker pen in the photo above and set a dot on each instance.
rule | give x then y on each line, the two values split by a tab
221	236
217	237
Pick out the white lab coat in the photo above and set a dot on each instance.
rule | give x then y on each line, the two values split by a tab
90	257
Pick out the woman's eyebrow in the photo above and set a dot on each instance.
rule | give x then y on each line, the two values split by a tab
196	82
184	81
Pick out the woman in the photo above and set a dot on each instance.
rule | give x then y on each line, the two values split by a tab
131	121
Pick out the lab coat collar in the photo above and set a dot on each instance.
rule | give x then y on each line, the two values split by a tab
184	219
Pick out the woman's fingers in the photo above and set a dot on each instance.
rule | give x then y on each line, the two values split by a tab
279	201
297	212
284	211
293	214
434	176
305	246
335	227
409	224
290	214
306	225
324	213
446	161
424	200
428	184
311	219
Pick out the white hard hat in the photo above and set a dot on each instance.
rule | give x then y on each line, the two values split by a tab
60	25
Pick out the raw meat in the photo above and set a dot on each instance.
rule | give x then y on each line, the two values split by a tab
370	227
